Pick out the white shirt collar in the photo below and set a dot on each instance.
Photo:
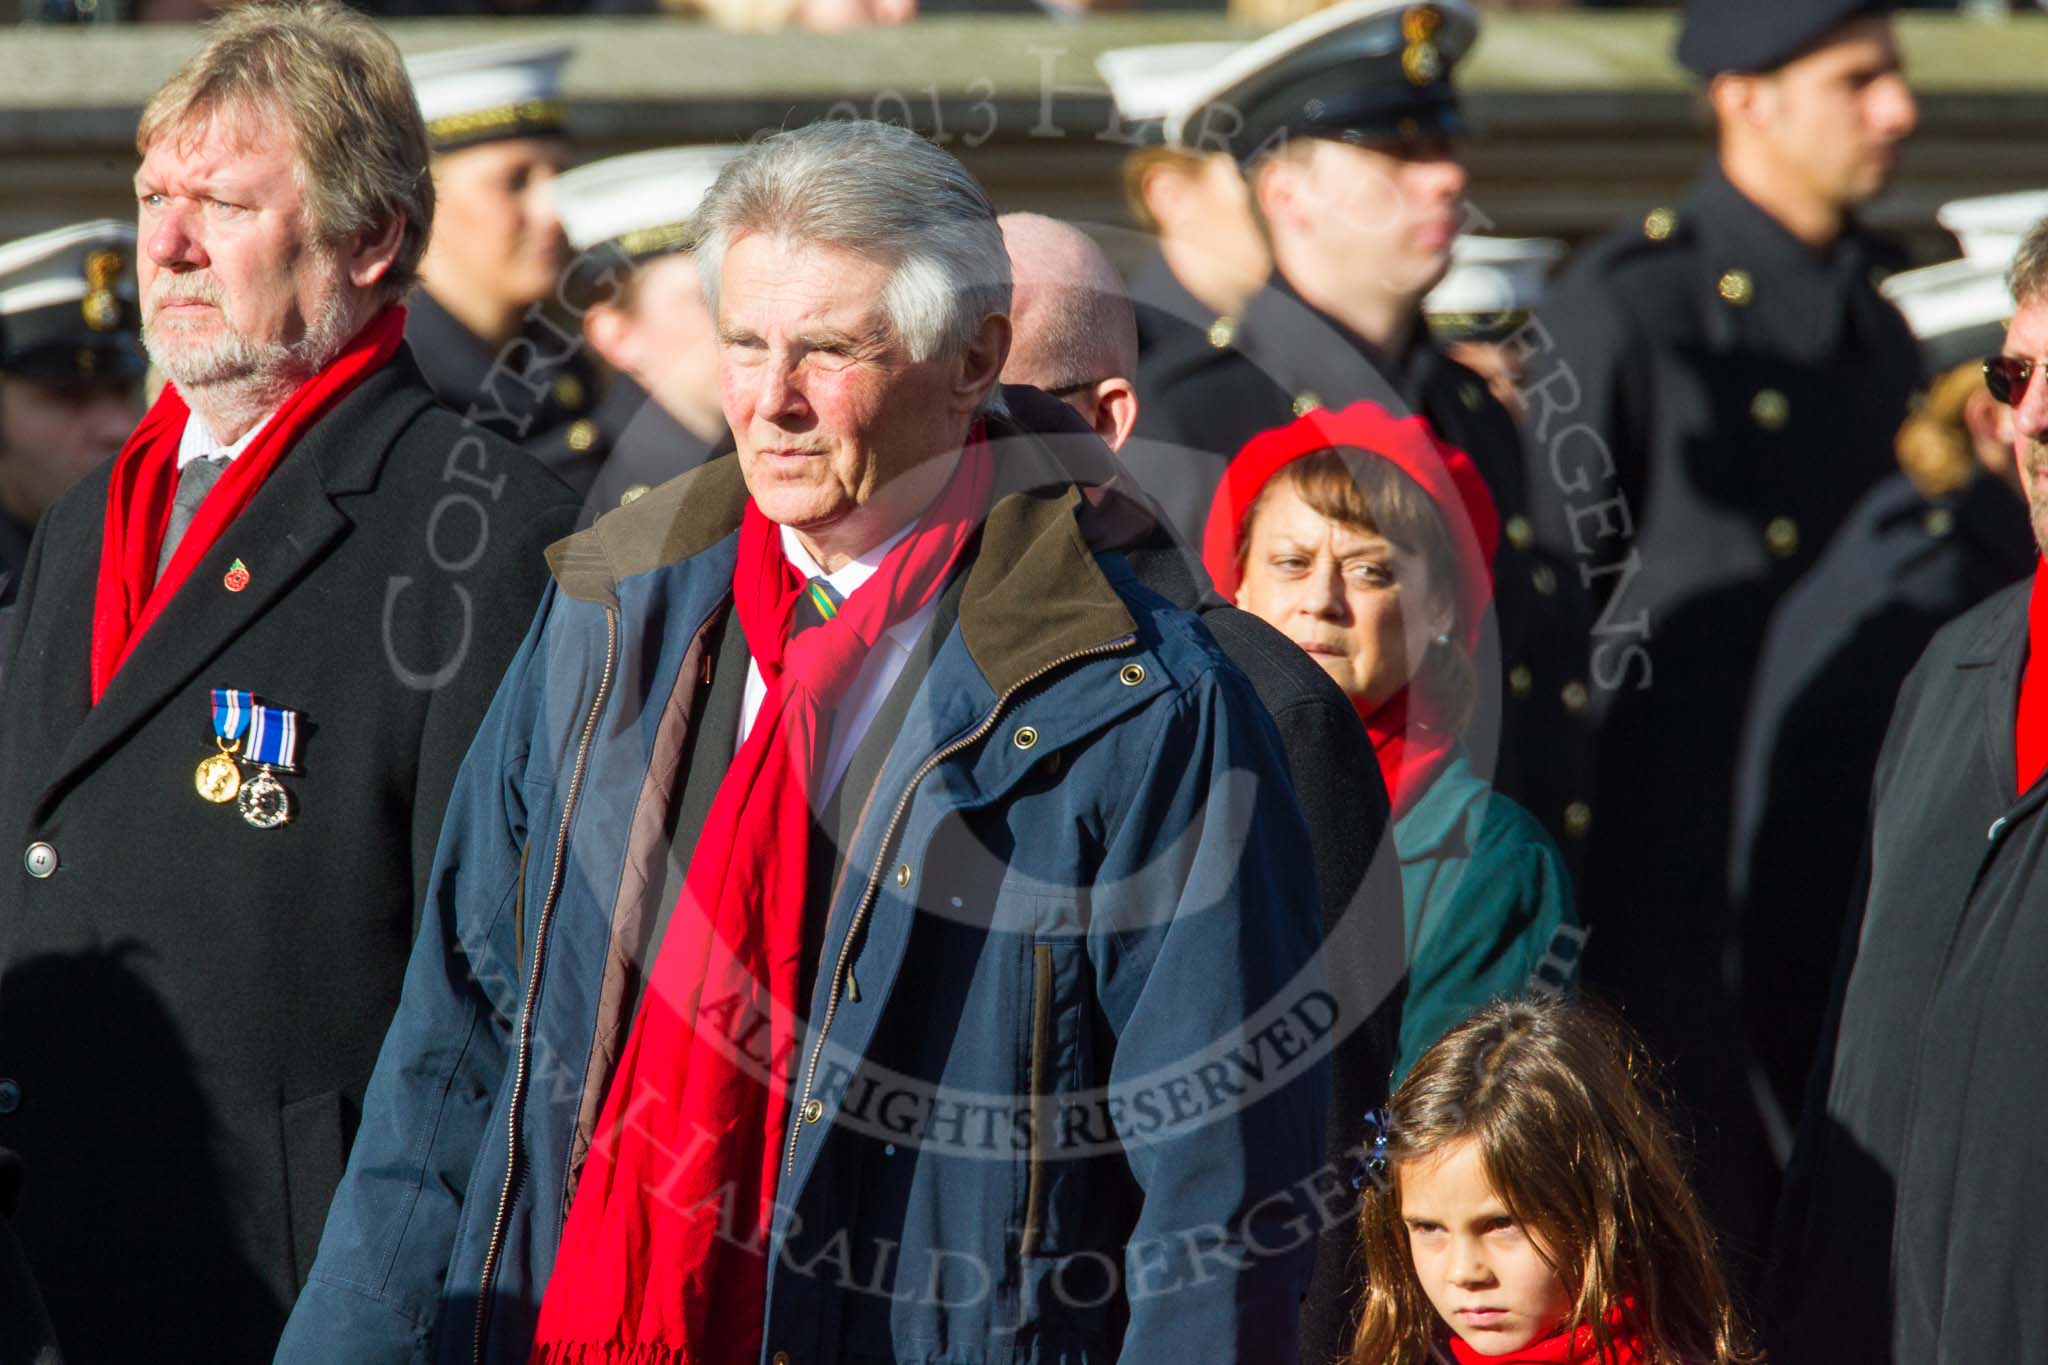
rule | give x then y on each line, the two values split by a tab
850	575
198	441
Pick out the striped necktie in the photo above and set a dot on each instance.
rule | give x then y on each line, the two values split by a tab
815	605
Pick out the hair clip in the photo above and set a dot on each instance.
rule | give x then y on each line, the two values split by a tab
1372	1153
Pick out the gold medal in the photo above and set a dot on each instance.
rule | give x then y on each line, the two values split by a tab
264	802
219	778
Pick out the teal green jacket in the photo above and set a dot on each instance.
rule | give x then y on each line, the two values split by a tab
1489	906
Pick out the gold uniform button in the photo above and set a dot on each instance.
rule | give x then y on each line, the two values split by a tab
1469	394
782	1357
1132	675
1521	534
1025	737
1660	224
813	1110
1939	522
1736	287
633	494
903	874
1575	697
582	435
1578	819
1222	332
569	392
1781	537
1306	402
1521	680
1770	409
1544	580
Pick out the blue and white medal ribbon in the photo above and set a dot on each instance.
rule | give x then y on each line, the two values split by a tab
267	736
219	777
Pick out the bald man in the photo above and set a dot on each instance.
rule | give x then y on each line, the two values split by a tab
1074	335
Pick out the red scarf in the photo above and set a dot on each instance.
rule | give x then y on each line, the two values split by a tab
1411	745
663	1260
2031	740
130	595
1562	1348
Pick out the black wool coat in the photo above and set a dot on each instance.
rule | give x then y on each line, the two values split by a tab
190	1006
1906	1233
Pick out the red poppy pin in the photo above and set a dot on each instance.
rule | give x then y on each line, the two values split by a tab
236	578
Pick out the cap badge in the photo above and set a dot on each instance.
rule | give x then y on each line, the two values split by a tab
1421	62
100	310
102	268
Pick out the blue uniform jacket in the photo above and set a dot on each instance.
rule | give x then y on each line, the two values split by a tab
1061	1092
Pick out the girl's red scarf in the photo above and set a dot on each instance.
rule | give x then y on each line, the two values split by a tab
129	595
2030	740
1564	1348
1411	745
664	1257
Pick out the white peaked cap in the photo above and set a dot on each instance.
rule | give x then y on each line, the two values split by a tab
1152	82
1495	275
469	94
1990	228
646	195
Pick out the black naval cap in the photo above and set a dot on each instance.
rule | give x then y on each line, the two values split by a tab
1360	71
68	310
1762	35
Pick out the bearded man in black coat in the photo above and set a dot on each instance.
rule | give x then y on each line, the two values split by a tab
303	572
1904	1235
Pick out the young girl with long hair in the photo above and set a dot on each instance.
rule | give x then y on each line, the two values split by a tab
1525	1202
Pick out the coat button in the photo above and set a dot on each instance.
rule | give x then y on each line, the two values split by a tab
10	1095
1521	680
1781	537
779	1358
40	860
903	874
1660	223
1222	332
1770	409
1520	533
1306	402
1025	737
1132	675
1578	819
813	1110
1575	697
1736	287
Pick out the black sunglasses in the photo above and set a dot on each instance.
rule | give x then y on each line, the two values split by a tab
2007	376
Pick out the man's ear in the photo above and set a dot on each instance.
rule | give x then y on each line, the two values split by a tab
609	330
1739	100
1116	411
373	251
981	366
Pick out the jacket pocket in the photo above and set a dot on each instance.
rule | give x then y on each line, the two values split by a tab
314	1153
1041	1083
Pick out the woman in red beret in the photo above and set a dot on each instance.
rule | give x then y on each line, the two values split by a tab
1369	543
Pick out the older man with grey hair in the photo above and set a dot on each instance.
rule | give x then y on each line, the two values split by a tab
872	925
249	655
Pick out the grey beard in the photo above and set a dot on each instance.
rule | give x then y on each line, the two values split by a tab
236	381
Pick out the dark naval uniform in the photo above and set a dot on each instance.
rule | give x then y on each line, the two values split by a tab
646	446
1177	335
1712	398
538	391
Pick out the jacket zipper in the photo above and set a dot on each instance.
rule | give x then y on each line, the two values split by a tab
513	1174
839	970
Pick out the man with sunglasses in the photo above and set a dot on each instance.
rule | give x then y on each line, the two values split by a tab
1711	389
1902	1190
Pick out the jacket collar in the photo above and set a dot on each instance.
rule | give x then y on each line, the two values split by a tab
1799	293
1435	824
1033	594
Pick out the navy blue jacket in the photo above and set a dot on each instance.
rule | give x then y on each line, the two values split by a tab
1063	1082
